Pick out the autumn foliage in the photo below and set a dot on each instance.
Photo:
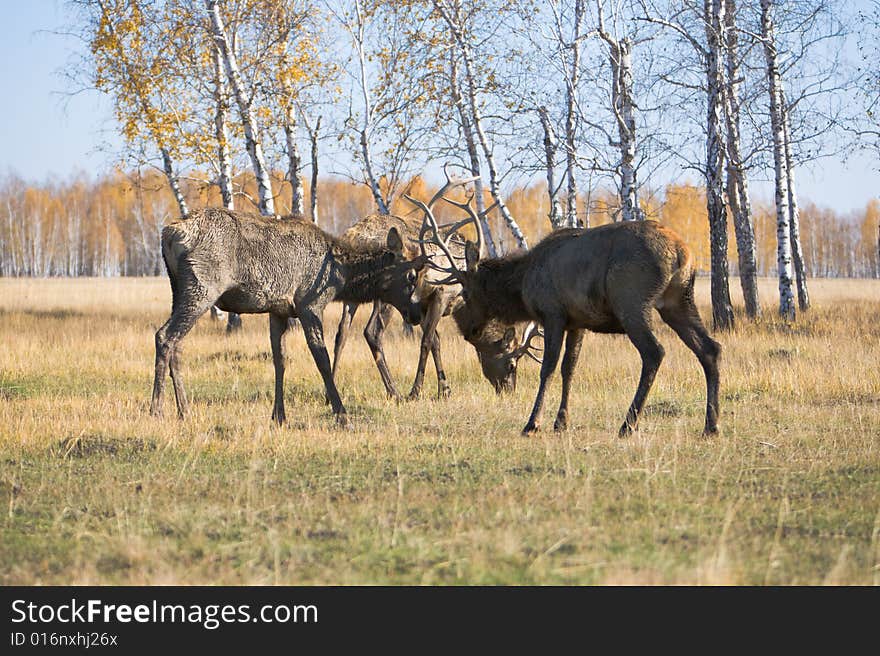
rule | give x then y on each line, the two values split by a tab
111	226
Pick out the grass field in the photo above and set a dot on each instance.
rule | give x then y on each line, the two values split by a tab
94	490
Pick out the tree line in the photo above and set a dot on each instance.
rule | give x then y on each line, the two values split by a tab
583	95
110	226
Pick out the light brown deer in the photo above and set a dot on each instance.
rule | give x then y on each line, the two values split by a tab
608	279
246	263
497	347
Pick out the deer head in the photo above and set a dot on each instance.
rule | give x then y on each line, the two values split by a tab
404	270
496	343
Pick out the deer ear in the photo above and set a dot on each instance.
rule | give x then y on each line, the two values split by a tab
471	256
509	338
394	242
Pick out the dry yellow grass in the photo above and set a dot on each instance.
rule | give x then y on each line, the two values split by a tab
432	492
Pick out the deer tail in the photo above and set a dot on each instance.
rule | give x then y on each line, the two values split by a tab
684	273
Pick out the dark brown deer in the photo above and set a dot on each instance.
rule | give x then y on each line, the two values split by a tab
250	264
608	279
496	345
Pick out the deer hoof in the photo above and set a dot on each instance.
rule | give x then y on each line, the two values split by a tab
414	395
625	431
560	425
444	392
342	420
530	429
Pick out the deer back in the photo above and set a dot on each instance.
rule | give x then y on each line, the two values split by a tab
581	274
267	256
371	231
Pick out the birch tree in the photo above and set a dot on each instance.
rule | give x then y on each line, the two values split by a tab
551	146
224	162
702	27
389	121
313	132
623	105
713	16
294	72
246	113
783	217
221	131
357	30
812	105
794	222
473	155
547	85
459	23
124	63
737	183
570	59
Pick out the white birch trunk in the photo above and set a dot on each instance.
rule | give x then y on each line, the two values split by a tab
313	190
794	221
624	110
294	164
487	153
623	106
248	120
173	181
737	185
722	311
473	155
455	26
224	164
370	177
221	133
783	234
550	147
571	87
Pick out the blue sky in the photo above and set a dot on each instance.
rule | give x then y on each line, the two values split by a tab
46	133
43	131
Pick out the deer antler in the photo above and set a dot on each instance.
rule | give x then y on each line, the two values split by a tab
531	331
451	183
472	217
430	225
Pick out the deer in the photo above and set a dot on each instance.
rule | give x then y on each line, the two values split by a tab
497	346
607	279
251	264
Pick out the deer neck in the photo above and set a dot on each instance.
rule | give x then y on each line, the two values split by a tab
363	275
501	280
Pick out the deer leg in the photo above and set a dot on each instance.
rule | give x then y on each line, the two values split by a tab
168	338
573	341
429	330
233	323
638	329
348	312
277	328
687	325
443	389
373	332
314	333
342	331
553	334
177	382
163	355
